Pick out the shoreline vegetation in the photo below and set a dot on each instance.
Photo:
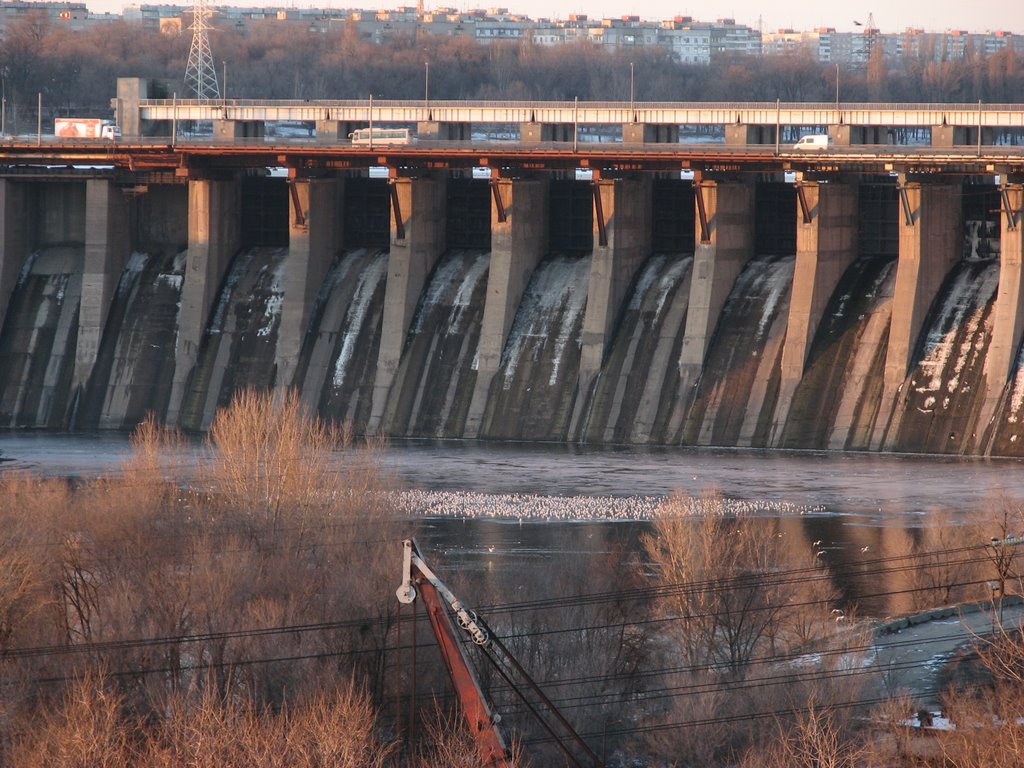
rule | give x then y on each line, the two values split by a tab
248	617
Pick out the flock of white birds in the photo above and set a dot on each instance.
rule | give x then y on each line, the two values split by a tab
525	506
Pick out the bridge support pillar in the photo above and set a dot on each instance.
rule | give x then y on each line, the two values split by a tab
238	129
314	238
826	245
622	240
519	240
435	131
724	243
417	240
649	133
13	239
333	131
951	135
107	245
536	133
741	134
1008	316
930	244
214	237
841	135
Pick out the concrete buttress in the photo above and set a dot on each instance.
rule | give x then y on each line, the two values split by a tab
314	239
930	243
107	246
724	243
622	240
417	241
826	246
214	237
1008	317
519	240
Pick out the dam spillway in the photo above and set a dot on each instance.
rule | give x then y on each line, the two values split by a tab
874	314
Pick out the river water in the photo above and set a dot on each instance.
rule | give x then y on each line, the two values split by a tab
557	502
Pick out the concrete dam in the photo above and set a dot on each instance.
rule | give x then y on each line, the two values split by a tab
868	314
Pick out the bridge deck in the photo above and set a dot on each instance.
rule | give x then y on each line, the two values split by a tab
307	154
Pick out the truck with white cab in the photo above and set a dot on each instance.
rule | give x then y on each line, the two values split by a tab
85	128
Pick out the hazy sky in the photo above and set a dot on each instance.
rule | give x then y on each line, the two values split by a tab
931	15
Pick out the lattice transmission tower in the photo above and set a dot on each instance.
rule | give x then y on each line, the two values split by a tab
200	74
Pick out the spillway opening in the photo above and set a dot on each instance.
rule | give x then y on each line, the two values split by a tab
878	219
366	214
775	218
981	210
159	217
672	216
56	213
571	223
264	212
469	214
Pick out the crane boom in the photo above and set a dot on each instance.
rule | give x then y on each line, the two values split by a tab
481	720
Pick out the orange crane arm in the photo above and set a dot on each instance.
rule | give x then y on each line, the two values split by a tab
481	720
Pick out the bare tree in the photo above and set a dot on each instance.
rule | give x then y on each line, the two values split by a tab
725	591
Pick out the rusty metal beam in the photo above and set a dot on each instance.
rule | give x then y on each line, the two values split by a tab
602	230
805	208
396	211
300	215
499	204
1011	215
702	213
908	214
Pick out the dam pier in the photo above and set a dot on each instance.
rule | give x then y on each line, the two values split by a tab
646	289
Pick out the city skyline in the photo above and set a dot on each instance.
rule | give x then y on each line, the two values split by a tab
930	15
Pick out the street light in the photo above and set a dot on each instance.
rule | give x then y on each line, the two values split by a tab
631	86
837	86
426	81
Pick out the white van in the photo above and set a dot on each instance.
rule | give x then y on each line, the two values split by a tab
814	141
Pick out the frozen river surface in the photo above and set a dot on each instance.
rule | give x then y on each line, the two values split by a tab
870	488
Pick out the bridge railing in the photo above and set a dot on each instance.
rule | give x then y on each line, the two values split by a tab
610	105
587	112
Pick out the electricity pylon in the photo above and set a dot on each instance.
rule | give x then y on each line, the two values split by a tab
200	74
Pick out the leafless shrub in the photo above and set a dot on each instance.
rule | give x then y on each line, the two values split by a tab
815	737
988	728
327	729
270	459
446	741
86	728
725	594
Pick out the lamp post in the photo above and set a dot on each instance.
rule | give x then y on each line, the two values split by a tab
224	79
426	81
631	92
837	86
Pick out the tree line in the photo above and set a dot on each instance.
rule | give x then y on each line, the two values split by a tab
76	71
